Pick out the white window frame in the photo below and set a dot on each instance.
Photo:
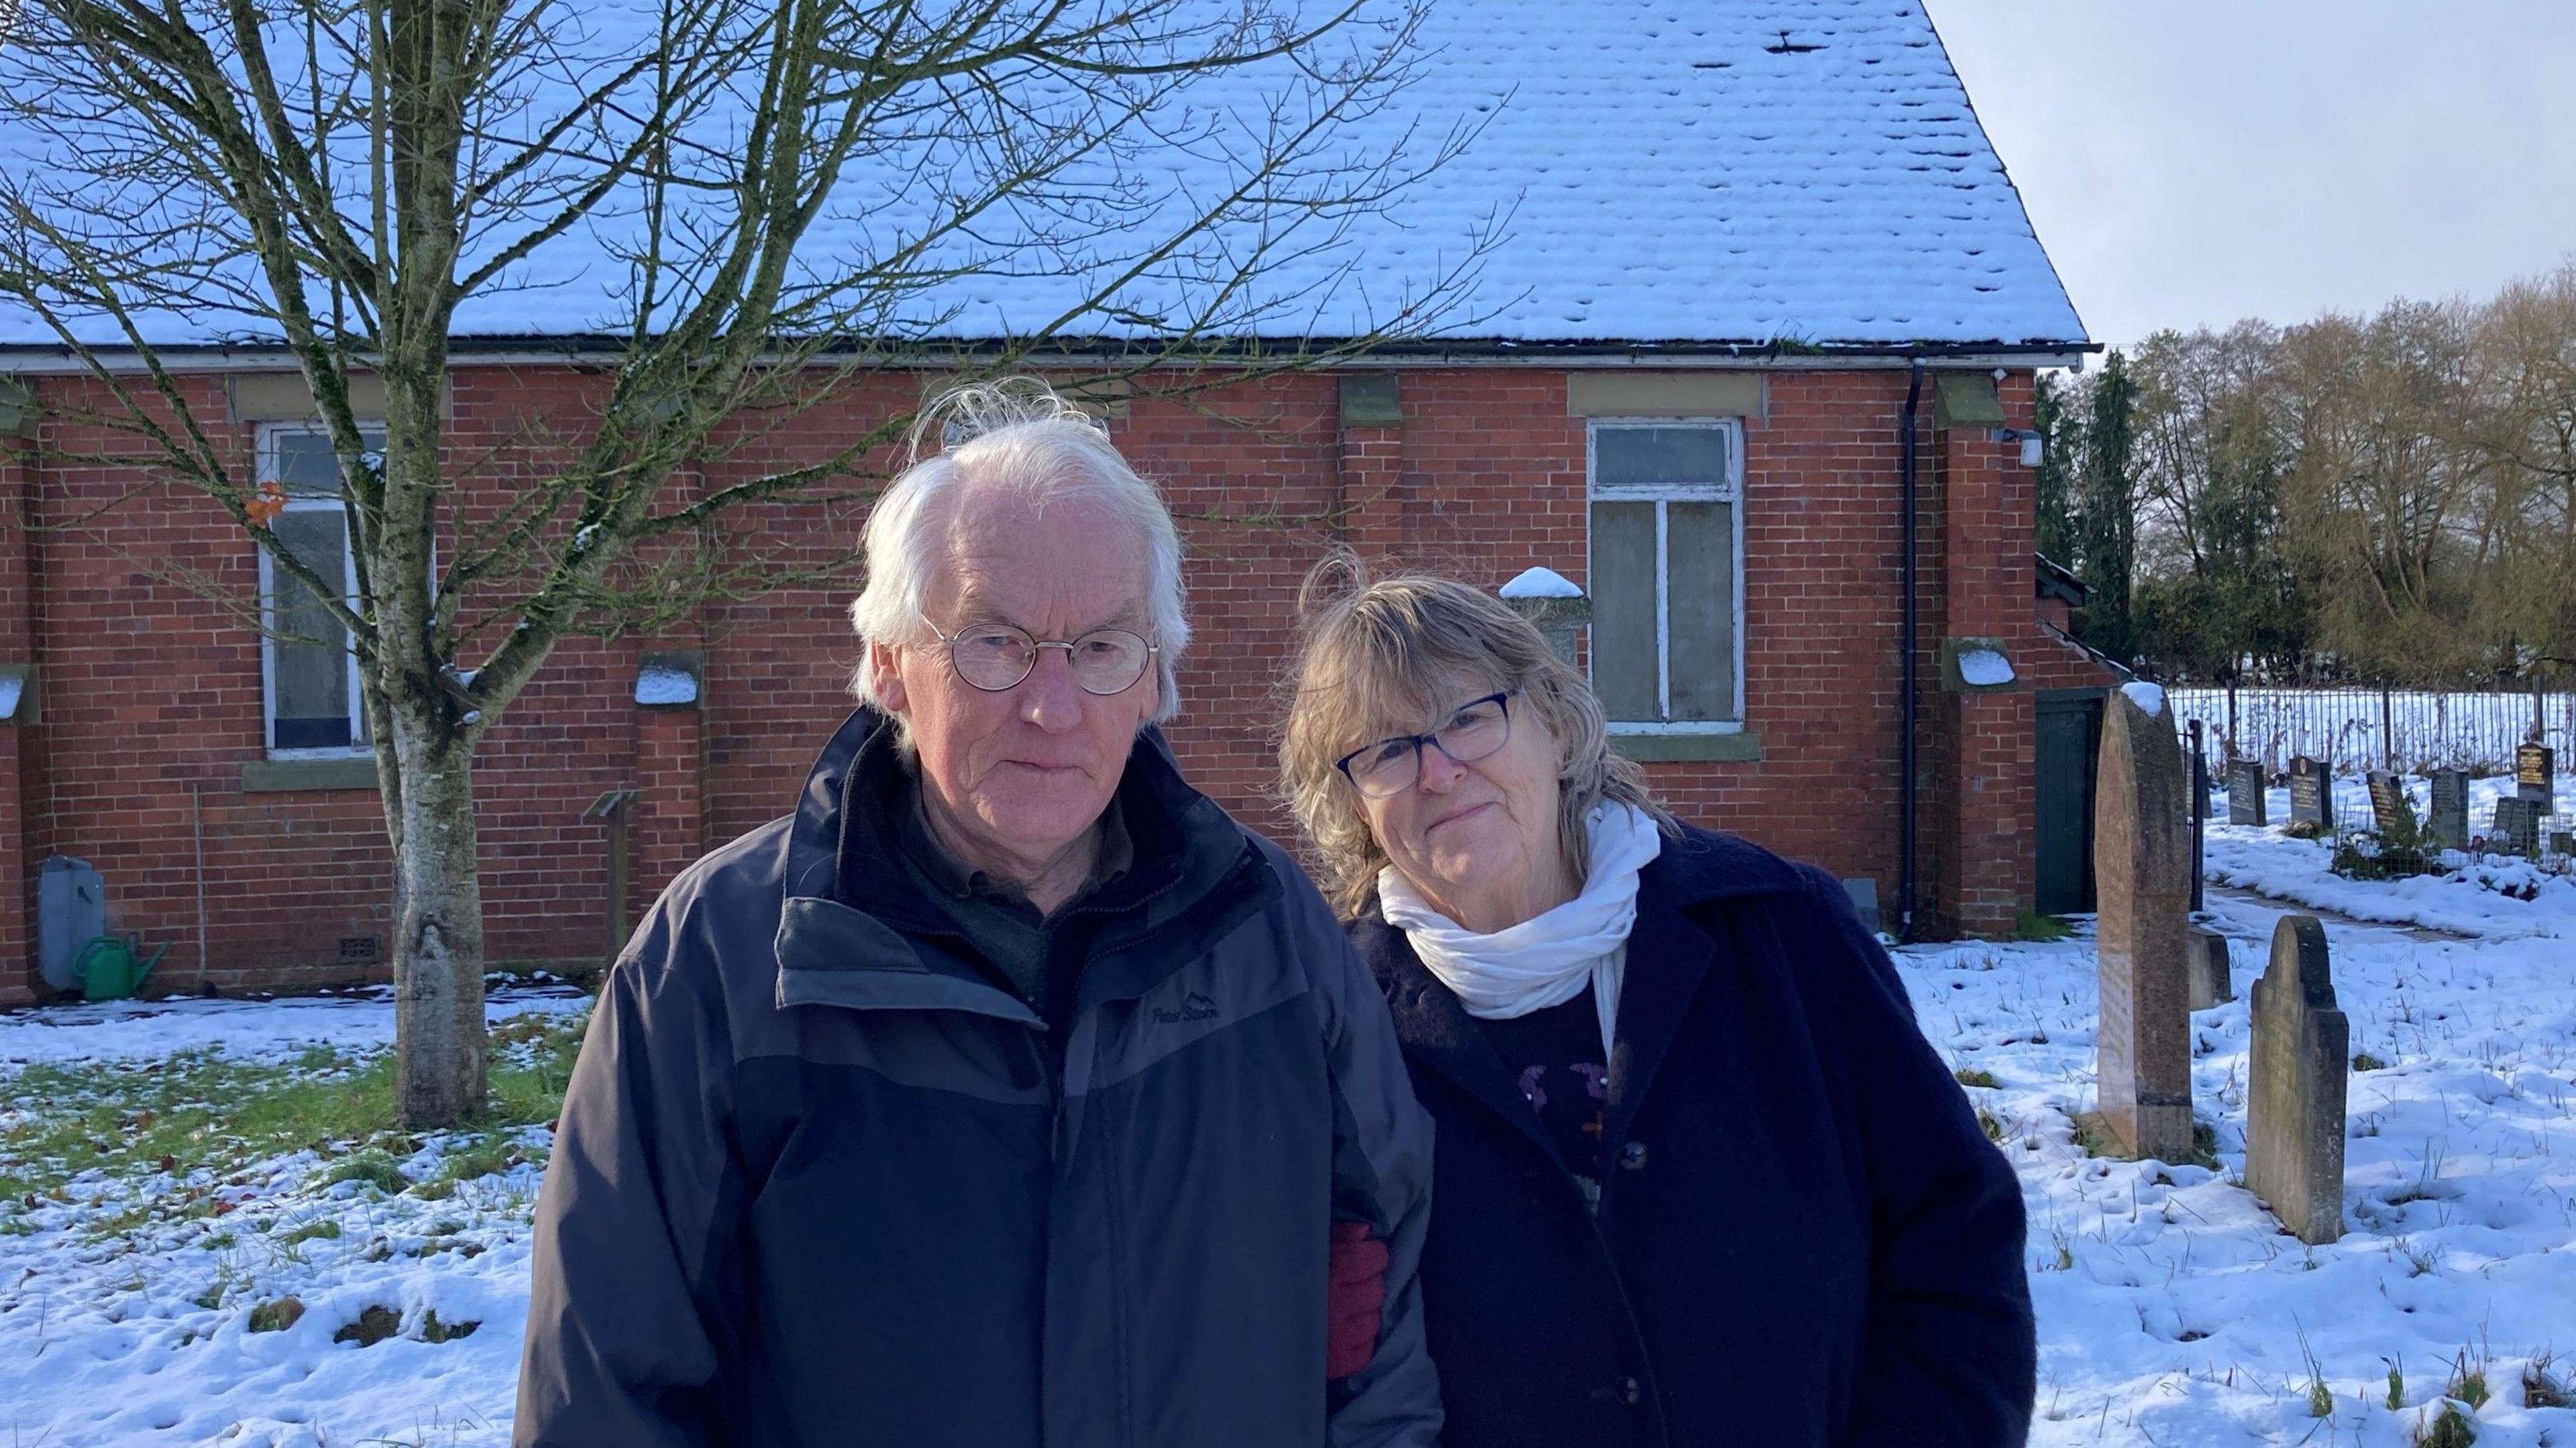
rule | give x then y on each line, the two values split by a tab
1730	490
359	746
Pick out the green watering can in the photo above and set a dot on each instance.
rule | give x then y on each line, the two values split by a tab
109	970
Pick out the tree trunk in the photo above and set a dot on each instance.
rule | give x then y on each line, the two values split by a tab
438	931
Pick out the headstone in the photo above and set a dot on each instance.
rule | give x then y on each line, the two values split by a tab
2209	984
2517	827
2142	880
2294	1117
2535	775
2311	793
2245	792
2390	810
2448	820
2560	837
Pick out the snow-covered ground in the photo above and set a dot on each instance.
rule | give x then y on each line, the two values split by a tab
2171	1309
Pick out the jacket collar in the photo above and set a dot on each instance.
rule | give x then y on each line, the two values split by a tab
847	933
1669	957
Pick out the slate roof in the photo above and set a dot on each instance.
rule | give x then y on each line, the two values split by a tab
1683	172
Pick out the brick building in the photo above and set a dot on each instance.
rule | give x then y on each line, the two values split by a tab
1825	304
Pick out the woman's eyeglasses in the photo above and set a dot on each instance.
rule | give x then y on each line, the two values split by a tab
1391	765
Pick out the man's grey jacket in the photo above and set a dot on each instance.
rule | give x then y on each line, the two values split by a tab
820	1181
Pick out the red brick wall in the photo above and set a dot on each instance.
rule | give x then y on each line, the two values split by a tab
18	744
152	692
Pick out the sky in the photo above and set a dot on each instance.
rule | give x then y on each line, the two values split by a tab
2188	162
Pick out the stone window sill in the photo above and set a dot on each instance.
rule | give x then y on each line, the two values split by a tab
278	776
1732	746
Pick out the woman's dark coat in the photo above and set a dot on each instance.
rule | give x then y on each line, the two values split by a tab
1804	1237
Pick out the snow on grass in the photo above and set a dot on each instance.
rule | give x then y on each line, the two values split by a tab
2172	1310
223	1240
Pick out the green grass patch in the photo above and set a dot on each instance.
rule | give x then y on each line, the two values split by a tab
2364	1061
204	1110
433	1330
276	1316
2031	925
322	1229
1968	1076
374	1325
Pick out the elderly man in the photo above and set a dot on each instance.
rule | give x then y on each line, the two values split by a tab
1008	1092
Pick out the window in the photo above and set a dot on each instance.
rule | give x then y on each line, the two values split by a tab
311	672
1667	574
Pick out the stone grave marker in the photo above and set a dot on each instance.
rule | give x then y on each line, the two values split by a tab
2517	827
2245	792
2294	1115
2535	775
2390	810
2311	793
2142	879
2448	819
2209	984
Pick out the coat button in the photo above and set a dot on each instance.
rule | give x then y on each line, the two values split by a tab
1629	1392
1633	1156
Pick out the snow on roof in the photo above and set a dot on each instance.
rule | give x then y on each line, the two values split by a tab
1808	171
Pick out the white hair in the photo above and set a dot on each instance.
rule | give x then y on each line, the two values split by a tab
1016	435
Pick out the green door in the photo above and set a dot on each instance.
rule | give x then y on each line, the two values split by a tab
2070	743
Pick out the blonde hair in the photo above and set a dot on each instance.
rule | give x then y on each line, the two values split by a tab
1375	652
1015	434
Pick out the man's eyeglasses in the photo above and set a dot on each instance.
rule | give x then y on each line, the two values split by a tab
1391	765
995	656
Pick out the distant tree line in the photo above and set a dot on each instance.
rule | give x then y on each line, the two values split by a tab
2387	499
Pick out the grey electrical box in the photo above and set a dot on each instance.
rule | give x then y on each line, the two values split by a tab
71	911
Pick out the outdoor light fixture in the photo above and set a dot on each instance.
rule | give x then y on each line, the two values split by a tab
2029	441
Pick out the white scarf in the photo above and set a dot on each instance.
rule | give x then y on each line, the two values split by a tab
1549	958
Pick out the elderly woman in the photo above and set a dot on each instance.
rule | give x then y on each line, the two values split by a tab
1697	1178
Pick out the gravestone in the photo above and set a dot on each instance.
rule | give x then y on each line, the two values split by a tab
2311	793
2142	880
2390	810
2448	819
2517	827
2535	775
2294	1116
2209	984
2245	792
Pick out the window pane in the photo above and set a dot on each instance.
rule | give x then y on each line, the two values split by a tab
1623	610
1628	457
1702	579
306	466
311	650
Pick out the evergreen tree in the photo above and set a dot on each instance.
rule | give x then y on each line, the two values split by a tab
2106	509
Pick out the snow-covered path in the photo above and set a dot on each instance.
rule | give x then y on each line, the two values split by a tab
2171	1309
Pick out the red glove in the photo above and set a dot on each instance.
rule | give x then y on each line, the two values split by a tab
1356	1299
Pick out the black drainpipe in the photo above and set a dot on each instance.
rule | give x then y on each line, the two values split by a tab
1905	705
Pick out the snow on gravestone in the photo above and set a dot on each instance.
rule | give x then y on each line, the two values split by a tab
2142	879
2294	1115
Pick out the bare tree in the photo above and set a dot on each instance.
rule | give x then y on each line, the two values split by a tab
786	193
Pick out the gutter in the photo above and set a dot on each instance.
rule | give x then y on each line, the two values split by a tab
1907	802
32	359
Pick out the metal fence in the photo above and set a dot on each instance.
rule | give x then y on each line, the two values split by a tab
2359	729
